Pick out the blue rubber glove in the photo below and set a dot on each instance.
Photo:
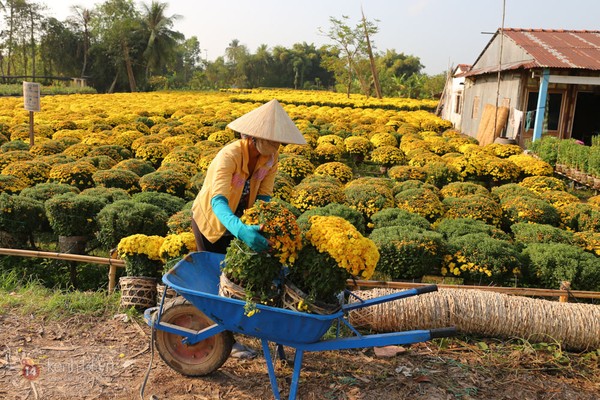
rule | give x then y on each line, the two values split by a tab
249	234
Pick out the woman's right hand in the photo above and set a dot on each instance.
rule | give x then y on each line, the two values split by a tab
250	234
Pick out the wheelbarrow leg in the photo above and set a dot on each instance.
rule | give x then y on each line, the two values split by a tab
271	369
296	374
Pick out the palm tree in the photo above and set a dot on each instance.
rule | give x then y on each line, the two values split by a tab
83	17
162	40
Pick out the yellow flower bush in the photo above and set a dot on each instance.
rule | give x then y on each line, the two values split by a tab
558	198
384	139
337	170
539	184
296	167
316	193
29	172
503	150
152	152
357	146
339	238
327	152
532	166
279	227
589	241
387	156
175	246
368	198
141	254
422	201
78	174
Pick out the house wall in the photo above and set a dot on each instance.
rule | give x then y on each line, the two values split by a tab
452	110
483	90
511	53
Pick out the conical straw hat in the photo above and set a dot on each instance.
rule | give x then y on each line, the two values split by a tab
269	121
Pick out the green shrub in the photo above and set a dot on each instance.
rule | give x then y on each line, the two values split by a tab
408	252
167	202
481	259
125	218
527	232
316	191
398	217
110	195
21	215
452	228
340	210
45	191
511	190
413	184
73	214
117	178
546	148
552	263
137	165
100	162
14	145
116	152
440	174
10	184
171	182
368	198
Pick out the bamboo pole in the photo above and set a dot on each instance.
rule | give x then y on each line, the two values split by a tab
499	289
111	262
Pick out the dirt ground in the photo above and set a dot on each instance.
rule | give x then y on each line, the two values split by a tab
85	358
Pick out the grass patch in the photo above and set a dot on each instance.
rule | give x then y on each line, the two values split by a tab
32	298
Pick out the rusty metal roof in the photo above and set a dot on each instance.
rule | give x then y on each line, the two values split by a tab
559	48
549	48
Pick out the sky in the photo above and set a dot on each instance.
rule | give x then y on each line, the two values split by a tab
440	33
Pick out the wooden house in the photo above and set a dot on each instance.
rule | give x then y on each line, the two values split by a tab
532	82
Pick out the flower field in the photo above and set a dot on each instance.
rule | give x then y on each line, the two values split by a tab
108	167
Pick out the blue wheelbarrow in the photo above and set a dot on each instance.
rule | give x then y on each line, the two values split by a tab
194	333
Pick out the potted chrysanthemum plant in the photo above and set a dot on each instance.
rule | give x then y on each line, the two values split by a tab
255	276
334	251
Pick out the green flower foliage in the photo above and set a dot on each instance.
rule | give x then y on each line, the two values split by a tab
452	228
527	232
482	259
476	206
116	152
125	218
440	174
369	198
171	182
167	202
318	275
14	145
100	162
21	215
110	195
45	191
73	214
137	165
414	184
398	217
340	210
552	263
512	189
118	178
408	252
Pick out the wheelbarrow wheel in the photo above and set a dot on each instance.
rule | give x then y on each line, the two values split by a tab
198	359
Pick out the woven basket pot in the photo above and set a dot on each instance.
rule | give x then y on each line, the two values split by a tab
160	290
138	291
292	296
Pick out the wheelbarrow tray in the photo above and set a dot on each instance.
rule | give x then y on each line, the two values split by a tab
196	278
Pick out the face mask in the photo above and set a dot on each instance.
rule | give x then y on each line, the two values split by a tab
266	147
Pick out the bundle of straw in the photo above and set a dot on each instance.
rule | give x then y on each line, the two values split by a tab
576	326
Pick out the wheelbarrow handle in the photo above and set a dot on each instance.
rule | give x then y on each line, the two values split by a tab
393	296
443	332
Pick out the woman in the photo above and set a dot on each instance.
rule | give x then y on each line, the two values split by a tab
242	172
